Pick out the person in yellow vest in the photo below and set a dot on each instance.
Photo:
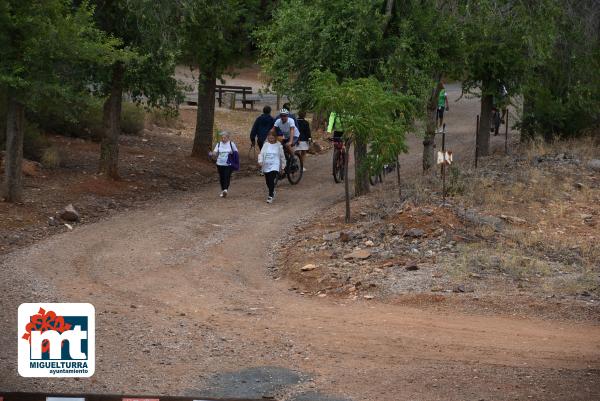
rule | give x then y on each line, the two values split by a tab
335	126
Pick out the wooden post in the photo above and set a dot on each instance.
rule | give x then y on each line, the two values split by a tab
476	141
220	96
506	134
444	163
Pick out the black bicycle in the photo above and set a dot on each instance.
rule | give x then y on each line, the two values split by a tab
339	160
293	167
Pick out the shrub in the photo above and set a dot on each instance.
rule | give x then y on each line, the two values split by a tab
34	143
85	119
132	119
164	118
51	158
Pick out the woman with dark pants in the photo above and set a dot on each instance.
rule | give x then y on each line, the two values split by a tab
271	160
222	150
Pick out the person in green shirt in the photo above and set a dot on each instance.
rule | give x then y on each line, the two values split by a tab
335	126
442	106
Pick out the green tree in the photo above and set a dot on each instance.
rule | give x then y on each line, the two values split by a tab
370	113
505	41
144	67
423	43
215	37
40	42
563	94
344	37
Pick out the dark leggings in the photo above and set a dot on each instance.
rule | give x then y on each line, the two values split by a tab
271	179
224	176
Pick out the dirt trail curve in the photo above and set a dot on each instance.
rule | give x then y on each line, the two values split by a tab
182	293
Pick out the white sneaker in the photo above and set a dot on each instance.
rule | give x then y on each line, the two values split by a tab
270	199
303	168
224	193
221	194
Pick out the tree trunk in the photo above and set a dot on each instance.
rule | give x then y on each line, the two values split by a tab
109	145
483	136
319	120
430	127
346	184
361	174
205	118
15	131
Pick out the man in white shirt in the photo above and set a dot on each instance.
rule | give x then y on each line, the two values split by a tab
287	128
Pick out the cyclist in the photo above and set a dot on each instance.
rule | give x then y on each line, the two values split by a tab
335	127
442	106
286	127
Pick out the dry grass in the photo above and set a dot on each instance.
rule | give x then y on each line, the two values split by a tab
551	208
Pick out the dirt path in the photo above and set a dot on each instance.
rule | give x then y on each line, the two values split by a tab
185	304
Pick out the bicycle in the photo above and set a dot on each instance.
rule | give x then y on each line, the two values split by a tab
293	167
339	159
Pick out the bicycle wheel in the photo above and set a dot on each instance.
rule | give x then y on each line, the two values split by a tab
294	169
338	166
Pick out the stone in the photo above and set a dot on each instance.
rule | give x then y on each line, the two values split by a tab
368	297
308	267
358	254
414	233
513	219
594	164
436	288
473	217
331	236
459	288
411	266
427	212
345	237
69	213
369	243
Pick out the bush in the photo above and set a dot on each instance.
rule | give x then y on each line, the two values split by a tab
164	118
85	119
132	119
34	143
51	158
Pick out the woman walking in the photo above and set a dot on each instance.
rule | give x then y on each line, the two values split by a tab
227	157
271	160
304	138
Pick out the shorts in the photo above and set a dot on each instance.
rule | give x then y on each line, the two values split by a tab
440	112
302	145
284	141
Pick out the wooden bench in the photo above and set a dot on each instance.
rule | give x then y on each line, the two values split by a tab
243	90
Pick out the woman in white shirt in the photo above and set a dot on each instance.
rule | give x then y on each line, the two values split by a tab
222	150
271	160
